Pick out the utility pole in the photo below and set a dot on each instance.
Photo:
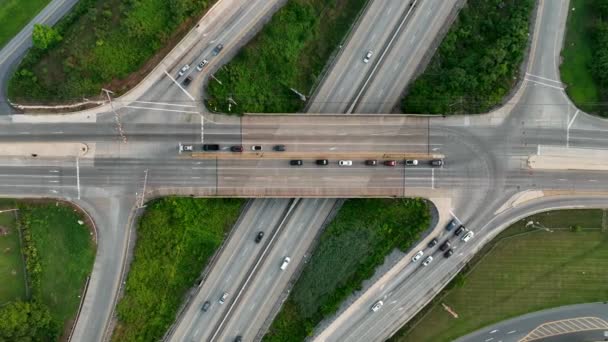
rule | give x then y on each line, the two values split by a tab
116	116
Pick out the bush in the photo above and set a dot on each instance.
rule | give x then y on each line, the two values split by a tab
477	63
27	321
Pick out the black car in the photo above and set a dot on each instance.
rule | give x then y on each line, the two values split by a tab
238	339
279	148
296	162
433	243
448	253
206	306
453	224
259	237
187	81
217	49
322	161
236	148
371	162
444	246
211	147
460	230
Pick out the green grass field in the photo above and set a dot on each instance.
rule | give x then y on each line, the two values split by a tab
577	55
12	286
527	270
15	14
66	252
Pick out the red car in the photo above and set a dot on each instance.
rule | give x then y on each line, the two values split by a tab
390	162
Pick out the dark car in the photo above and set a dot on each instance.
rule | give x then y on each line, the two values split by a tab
436	162
238	339
187	81
279	148
390	162
259	237
322	161
206	306
217	49
433	243
460	230
211	147
445	246
236	148
453	224
371	162
448	253
296	162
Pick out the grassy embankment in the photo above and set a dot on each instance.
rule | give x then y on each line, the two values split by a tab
478	61
11	261
106	44
585	56
522	270
15	14
290	52
363	233
175	239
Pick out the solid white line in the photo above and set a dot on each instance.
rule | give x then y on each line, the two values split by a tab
573	118
78	177
544	84
53	171
24	132
432	178
512	331
163	110
58	132
544	78
165	104
54	181
179	85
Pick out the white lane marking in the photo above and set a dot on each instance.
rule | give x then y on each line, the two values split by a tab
78	176
452	213
489	339
54	171
493	331
166	104
195	177
179	85
593	180
163	109
562	179
54	191
544	78
512	331
24	133
58	132
54	181
432	178
573	118
538	150
544	84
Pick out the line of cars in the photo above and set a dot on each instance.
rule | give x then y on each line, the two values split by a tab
199	66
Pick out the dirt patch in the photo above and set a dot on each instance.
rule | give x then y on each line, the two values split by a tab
4	231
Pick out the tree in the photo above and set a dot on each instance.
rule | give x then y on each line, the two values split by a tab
27	321
43	36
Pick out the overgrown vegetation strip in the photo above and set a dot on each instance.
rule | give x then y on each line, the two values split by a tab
560	260
15	14
362	234
289	53
478	61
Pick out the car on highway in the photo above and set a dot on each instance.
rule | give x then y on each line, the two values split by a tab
467	236
279	148
223	298
453	224
448	253
187	81
186	148
459	231
368	56
217	49
321	161
256	148
345	163
390	162
417	256
236	148
202	64
411	162
371	162
433	243
377	305
436	162
296	162
206	306
259	237
445	246
211	147
285	263
427	261
238	339
183	70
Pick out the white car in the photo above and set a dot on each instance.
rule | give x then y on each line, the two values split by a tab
285	263
467	236
417	256
223	297
201	65
186	148
256	148
411	162
183	70
377	306
367	57
345	163
427	261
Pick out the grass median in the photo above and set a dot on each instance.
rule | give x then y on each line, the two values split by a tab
175	239
560	260
15	14
290	52
362	234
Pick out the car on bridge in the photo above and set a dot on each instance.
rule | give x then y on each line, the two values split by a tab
206	306
411	162
390	162
467	236
256	147
417	256
217	49
371	162
448	253
285	263
345	163
436	162
368	56
322	162
211	147
201	65
460	230
377	305
186	148
427	261
445	246
187	81
296	162
236	148
433	243
223	298
183	70
279	148
453	224
259	237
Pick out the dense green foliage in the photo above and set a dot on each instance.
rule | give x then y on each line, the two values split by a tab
290	52
12	284
44	37
585	55
477	63
26	321
538	269
104	41
363	233
15	14
175	239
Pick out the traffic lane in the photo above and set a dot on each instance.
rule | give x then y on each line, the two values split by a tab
236	257
267	287
548	39
406	54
